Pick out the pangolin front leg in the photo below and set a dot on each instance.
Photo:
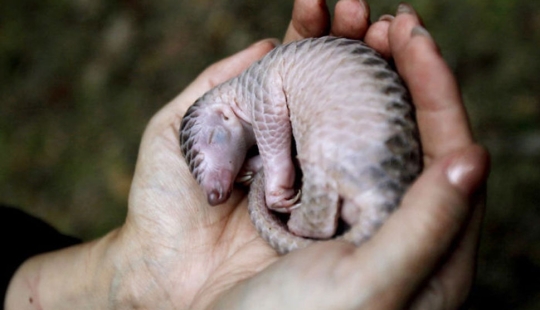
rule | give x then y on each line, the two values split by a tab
273	133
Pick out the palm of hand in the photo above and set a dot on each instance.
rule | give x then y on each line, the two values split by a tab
180	235
190	252
167	210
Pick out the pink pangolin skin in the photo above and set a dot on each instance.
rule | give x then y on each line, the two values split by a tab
354	134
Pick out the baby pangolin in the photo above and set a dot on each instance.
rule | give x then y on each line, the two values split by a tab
336	104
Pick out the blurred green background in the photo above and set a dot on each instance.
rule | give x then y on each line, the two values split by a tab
80	79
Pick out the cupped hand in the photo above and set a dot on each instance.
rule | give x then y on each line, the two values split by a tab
176	252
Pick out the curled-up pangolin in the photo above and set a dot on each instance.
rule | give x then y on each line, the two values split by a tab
354	133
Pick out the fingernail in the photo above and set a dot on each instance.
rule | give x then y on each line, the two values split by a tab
386	18
420	31
404	8
458	172
365	7
275	42
469	170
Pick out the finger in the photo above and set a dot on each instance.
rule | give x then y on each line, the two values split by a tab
310	18
433	213
399	32
441	116
450	286
377	36
351	19
222	71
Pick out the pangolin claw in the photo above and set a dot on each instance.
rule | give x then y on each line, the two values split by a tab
245	178
290	204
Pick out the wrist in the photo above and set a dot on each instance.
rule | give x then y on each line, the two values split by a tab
77	277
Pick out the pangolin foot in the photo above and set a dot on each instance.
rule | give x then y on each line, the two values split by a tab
287	205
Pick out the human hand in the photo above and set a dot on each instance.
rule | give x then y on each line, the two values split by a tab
424	256
174	251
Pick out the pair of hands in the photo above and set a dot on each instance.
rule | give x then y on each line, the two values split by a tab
174	251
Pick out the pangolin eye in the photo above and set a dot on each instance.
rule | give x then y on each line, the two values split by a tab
218	135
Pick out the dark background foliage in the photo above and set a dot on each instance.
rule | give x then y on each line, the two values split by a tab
80	79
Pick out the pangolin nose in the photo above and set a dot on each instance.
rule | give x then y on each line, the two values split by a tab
218	186
216	197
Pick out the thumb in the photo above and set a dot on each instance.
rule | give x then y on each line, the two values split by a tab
434	211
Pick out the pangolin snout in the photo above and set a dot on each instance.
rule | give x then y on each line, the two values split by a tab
220	186
216	197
